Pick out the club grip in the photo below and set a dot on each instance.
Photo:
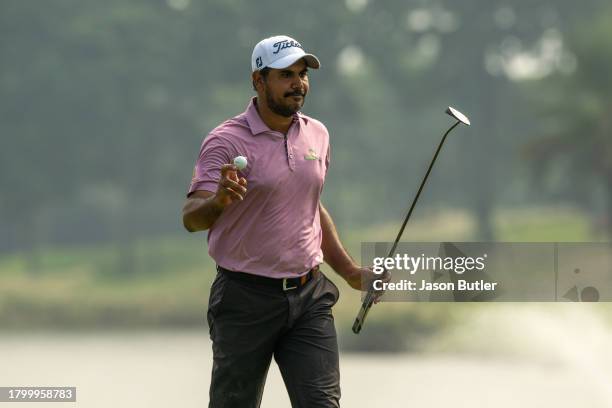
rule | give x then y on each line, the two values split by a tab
363	311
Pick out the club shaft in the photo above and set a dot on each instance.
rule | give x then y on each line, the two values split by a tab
369	298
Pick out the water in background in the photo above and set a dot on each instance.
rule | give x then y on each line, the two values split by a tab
561	359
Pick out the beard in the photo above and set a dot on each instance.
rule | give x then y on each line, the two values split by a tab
281	106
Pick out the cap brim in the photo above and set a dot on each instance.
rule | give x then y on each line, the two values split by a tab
311	61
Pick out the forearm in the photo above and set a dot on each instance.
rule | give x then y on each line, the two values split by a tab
200	213
334	253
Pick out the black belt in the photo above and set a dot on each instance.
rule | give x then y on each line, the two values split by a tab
284	284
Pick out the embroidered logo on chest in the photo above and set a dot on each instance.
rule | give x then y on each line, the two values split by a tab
312	155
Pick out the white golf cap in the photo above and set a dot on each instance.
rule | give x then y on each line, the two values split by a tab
280	52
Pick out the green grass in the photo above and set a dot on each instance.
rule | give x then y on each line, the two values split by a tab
164	282
544	225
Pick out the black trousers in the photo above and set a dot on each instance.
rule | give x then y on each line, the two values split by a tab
250	323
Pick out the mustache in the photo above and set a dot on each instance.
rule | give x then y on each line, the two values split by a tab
296	93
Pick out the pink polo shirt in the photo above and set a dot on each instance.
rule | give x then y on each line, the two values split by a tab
276	230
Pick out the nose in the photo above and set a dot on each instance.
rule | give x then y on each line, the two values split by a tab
298	85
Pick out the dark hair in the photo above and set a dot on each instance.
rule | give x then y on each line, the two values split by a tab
264	73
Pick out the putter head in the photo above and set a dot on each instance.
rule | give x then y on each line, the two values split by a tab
458	115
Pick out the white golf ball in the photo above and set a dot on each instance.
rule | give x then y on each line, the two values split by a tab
240	162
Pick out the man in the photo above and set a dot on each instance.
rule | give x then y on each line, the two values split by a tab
268	233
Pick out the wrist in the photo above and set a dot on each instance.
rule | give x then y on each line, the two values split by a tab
350	271
217	203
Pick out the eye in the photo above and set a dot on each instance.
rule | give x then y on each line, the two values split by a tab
303	74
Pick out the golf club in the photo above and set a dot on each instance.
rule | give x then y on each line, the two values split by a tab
371	295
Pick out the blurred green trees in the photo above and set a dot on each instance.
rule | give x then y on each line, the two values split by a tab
104	106
572	158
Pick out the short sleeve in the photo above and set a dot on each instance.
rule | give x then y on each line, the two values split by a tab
214	153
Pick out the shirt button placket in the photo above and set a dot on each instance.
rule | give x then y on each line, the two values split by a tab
291	158
290	155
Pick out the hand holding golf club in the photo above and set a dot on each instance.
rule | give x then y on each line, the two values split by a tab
363	277
372	296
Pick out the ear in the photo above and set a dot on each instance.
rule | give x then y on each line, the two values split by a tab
257	79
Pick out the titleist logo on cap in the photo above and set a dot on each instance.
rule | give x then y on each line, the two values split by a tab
281	45
280	52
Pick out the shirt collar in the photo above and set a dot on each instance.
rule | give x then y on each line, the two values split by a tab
257	125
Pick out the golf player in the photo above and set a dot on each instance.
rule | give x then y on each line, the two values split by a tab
268	234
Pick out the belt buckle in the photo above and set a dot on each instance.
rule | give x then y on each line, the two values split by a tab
285	287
